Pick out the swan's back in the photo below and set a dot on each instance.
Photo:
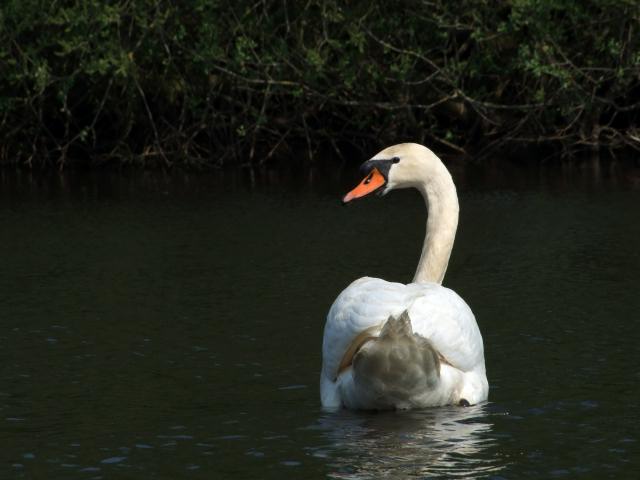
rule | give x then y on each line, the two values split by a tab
437	314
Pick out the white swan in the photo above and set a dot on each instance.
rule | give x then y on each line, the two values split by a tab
388	345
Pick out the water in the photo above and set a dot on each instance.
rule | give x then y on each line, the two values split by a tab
170	327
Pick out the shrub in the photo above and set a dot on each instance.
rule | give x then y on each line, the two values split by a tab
209	82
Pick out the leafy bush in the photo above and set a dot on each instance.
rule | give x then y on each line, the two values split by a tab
208	82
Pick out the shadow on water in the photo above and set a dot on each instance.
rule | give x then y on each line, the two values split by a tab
561	175
435	443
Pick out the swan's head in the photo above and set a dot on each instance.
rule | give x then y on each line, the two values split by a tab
400	166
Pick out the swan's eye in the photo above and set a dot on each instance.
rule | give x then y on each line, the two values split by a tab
395	160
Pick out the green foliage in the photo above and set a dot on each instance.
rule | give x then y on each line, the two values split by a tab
205	82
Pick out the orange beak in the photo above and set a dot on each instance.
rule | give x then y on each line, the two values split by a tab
372	182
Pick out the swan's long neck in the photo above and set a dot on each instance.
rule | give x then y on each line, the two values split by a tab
440	195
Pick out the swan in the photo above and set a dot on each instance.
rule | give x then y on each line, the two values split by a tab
388	345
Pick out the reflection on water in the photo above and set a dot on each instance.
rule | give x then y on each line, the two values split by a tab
440	442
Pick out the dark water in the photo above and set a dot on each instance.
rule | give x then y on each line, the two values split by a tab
170	327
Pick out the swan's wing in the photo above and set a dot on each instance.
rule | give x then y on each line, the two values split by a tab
447	321
365	303
437	313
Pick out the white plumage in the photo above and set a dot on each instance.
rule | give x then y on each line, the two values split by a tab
389	345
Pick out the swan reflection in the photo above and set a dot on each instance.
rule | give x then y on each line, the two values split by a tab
442	442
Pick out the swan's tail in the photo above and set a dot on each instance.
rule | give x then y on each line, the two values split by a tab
397	367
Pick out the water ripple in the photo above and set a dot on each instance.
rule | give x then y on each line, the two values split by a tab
438	443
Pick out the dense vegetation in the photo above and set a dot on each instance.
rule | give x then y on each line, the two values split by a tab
208	82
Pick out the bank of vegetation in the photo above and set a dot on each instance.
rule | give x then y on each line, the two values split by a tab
215	82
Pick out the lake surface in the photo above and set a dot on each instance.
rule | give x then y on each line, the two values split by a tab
160	326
